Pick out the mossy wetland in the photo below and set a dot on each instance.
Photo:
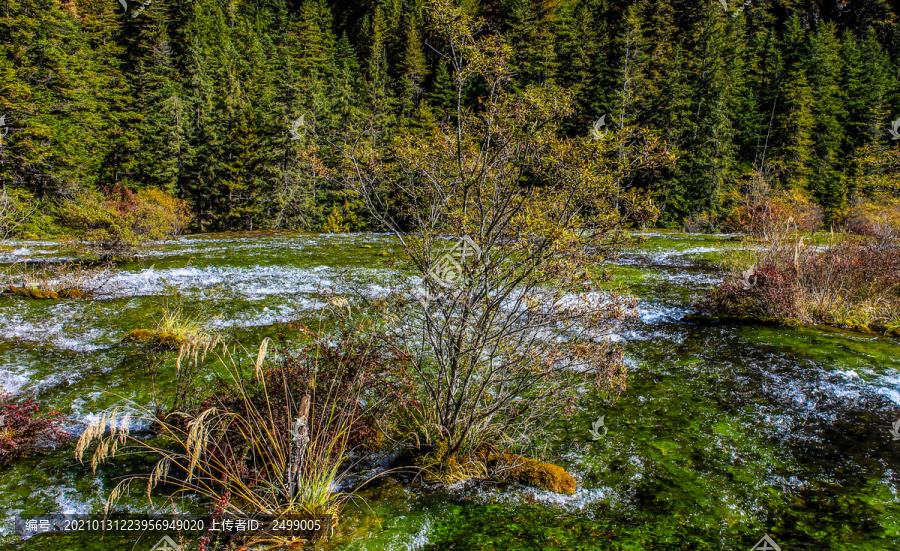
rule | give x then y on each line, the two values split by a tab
725	432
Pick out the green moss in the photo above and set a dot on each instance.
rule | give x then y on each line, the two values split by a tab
161	339
535	473
32	293
72	293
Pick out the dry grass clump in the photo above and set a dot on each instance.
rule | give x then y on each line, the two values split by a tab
846	281
175	329
251	458
58	280
273	437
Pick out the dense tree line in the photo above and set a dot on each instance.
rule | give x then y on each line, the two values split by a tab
239	107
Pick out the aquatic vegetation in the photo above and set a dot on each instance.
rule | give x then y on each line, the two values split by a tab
274	436
175	329
34	292
512	467
157	338
56	280
25	431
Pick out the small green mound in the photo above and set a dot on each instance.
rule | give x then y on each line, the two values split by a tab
72	293
161	339
535	473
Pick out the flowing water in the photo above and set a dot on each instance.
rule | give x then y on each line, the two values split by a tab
726	433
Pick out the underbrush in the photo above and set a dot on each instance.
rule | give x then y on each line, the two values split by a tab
757	207
275	435
851	282
113	223
875	217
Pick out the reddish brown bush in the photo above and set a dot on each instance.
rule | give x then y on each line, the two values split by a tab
24	430
849	282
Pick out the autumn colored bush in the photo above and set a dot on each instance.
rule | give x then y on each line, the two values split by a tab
877	217
119	220
24	430
760	209
501	212
848	282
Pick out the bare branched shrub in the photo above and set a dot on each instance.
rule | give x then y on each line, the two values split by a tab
504	220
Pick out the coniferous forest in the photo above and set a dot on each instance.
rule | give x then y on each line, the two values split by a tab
236	108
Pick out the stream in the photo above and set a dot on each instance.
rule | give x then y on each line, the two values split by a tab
726	432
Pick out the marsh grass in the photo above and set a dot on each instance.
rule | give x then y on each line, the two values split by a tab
832	279
241	448
239	456
177	329
60	279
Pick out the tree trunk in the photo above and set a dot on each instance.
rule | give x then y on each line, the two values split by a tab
299	443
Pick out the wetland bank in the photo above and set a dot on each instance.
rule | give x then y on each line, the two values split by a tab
724	433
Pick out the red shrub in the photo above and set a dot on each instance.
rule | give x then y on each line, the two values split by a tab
23	430
849	282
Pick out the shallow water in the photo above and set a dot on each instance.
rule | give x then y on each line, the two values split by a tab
725	433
